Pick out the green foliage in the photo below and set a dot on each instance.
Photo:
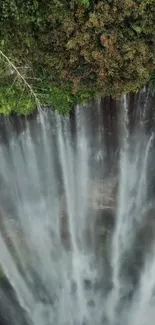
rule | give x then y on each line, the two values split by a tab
58	98
81	48
152	82
86	3
13	100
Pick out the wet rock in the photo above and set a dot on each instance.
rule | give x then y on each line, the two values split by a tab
91	303
87	284
11	313
100	218
102	195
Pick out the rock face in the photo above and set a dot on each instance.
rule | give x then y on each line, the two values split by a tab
102	195
11	312
101	211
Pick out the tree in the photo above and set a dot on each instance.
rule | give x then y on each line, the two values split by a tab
81	47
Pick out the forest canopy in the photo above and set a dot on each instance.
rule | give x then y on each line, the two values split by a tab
70	51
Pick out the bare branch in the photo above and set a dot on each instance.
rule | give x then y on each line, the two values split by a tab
21	77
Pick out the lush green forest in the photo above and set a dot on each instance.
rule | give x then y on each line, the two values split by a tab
61	52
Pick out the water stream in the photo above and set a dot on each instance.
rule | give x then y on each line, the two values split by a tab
77	215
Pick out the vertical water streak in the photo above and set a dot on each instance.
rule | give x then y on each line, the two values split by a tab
143	115
131	201
53	196
68	163
81	173
117	243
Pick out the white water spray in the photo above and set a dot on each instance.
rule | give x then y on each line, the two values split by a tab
69	240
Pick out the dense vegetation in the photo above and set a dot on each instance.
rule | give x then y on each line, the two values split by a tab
71	50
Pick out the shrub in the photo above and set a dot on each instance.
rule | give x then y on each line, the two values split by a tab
104	45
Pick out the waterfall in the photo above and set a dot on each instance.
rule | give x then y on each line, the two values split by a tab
77	213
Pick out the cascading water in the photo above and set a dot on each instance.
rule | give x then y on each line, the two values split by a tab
77	217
